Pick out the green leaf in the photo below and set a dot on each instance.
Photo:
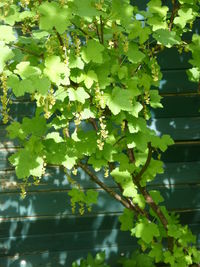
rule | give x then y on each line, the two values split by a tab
26	71
93	52
157	198
6	54
136	108
12	15
57	71
90	78
156	252
194	74
139	200
146	231
156	8
75	62
134	54
85	8
119	100
155	99
53	15
41	84
162	143
185	15
79	95
125	180
69	162
35	126
126	220
166	37
91	197
15	131
155	167
27	164
20	87
7	34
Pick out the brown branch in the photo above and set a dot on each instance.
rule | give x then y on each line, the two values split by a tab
102	25
59	37
94	124
174	13
97	30
149	200
144	192
131	155
111	192
146	165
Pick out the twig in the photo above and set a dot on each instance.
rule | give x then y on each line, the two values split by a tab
174	12
97	30
111	192
102	25
119	140
59	37
93	122
146	165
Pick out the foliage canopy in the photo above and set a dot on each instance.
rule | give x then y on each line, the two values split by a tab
91	69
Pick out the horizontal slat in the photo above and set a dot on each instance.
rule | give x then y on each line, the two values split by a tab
175	173
22	226
54	253
70	241
57	202
184	152
178	106
187	128
171	59
64	258
176	81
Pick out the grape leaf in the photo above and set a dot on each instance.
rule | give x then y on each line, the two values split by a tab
7	34
185	15
93	52
119	100
134	54
146	231
6	54
26	71
85	8
57	71
126	220
79	94
90	78
27	164
166	37
53	15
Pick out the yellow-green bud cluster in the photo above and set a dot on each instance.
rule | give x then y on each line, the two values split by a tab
4	99
48	103
103	133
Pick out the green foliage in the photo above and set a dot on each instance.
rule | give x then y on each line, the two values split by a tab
98	261
91	69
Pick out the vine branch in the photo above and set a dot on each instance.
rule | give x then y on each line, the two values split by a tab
148	161
174	12
111	192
